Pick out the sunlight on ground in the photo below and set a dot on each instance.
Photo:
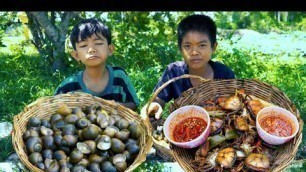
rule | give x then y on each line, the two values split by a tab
14	46
287	47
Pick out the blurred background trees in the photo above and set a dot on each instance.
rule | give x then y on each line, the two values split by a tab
155	31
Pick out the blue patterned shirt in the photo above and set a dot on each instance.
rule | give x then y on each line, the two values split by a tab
176	69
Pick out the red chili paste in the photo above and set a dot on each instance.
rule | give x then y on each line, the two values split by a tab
189	129
276	125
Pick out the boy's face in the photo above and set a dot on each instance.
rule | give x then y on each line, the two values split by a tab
196	49
93	51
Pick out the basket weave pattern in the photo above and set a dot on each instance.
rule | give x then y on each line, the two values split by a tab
209	89
162	147
44	107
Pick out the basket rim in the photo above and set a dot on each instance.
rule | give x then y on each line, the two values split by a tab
160	145
164	85
292	108
16	132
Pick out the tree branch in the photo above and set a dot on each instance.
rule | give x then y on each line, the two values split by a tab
46	24
66	21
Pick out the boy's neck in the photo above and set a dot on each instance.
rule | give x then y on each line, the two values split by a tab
95	74
204	72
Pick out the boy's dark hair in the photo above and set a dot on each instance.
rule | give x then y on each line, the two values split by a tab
199	23
86	28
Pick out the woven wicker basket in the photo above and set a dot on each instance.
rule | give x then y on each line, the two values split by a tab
261	90
162	147
45	106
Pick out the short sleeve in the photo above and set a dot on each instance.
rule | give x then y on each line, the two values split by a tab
174	89
122	78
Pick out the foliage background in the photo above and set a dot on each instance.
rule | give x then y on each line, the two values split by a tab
145	43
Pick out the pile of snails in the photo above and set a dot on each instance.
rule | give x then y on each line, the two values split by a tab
80	139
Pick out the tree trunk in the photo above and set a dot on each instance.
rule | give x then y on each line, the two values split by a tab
278	16
58	56
285	16
49	36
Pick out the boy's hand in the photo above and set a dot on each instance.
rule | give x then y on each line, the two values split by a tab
154	110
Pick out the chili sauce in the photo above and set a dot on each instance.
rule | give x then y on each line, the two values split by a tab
276	125
189	129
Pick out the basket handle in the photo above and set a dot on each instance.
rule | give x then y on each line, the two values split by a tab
157	91
41	99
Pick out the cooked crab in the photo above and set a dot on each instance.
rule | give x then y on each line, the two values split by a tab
257	162
226	157
216	125
254	106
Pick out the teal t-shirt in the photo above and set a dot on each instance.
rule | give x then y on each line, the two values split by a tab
119	87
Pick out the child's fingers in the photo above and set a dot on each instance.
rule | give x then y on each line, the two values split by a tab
156	110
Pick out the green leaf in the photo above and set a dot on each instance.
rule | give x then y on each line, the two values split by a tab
215	140
231	134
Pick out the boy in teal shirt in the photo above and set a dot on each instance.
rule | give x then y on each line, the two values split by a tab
92	44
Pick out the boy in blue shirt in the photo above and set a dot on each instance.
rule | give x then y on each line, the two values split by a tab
92	44
197	42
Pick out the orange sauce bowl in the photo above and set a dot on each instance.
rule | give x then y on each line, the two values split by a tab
276	125
187	126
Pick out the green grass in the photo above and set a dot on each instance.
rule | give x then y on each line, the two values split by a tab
150	166
16	45
25	77
296	166
6	147
23	80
